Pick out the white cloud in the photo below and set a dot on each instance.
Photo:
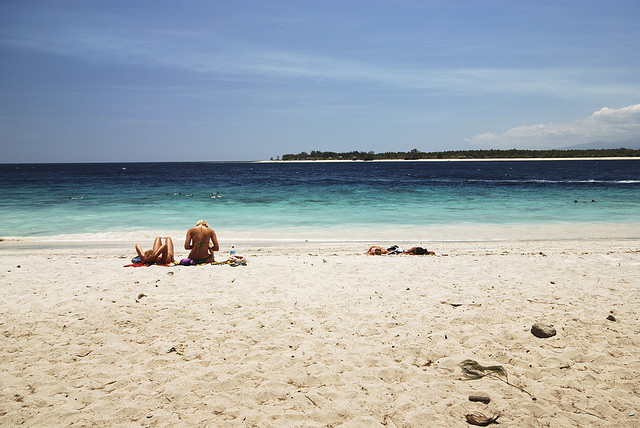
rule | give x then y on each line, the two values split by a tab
605	125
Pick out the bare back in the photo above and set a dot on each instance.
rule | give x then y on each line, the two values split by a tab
202	242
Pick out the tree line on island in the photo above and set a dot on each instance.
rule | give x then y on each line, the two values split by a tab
415	154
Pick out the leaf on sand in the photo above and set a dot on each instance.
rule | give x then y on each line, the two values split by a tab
481	420
473	370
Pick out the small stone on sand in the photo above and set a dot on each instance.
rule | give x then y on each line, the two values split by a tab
542	330
482	398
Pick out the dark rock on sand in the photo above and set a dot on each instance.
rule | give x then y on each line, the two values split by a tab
481	398
542	330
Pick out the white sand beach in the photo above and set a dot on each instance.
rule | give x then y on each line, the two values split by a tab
320	335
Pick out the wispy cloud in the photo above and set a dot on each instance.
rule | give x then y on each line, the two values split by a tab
605	125
218	56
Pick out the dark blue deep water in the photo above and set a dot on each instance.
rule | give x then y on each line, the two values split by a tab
54	199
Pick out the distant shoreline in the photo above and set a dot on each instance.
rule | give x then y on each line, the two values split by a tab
486	154
448	160
327	160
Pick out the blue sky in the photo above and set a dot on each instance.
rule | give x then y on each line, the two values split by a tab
160	80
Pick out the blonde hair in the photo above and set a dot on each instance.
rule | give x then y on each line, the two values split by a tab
202	223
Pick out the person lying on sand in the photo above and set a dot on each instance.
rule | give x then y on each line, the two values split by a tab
376	250
202	242
161	253
419	251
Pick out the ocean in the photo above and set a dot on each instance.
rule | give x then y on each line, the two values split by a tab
360	201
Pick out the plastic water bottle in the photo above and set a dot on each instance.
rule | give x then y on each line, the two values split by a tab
233	251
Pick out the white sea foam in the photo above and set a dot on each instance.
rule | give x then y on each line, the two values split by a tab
364	235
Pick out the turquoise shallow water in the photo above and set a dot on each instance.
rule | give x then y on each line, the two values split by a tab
54	199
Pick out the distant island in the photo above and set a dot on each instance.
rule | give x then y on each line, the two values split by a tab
415	154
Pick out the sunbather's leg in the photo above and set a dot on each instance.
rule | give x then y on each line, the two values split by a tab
169	256
157	243
160	254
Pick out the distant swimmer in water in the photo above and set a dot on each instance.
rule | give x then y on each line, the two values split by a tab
216	195
76	197
583	202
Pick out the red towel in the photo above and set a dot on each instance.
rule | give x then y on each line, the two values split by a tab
143	264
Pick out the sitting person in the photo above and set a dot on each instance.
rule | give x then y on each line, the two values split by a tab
161	253
202	242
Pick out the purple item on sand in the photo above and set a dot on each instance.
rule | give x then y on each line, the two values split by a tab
187	262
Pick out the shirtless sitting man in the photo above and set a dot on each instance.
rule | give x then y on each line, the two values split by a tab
202	242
